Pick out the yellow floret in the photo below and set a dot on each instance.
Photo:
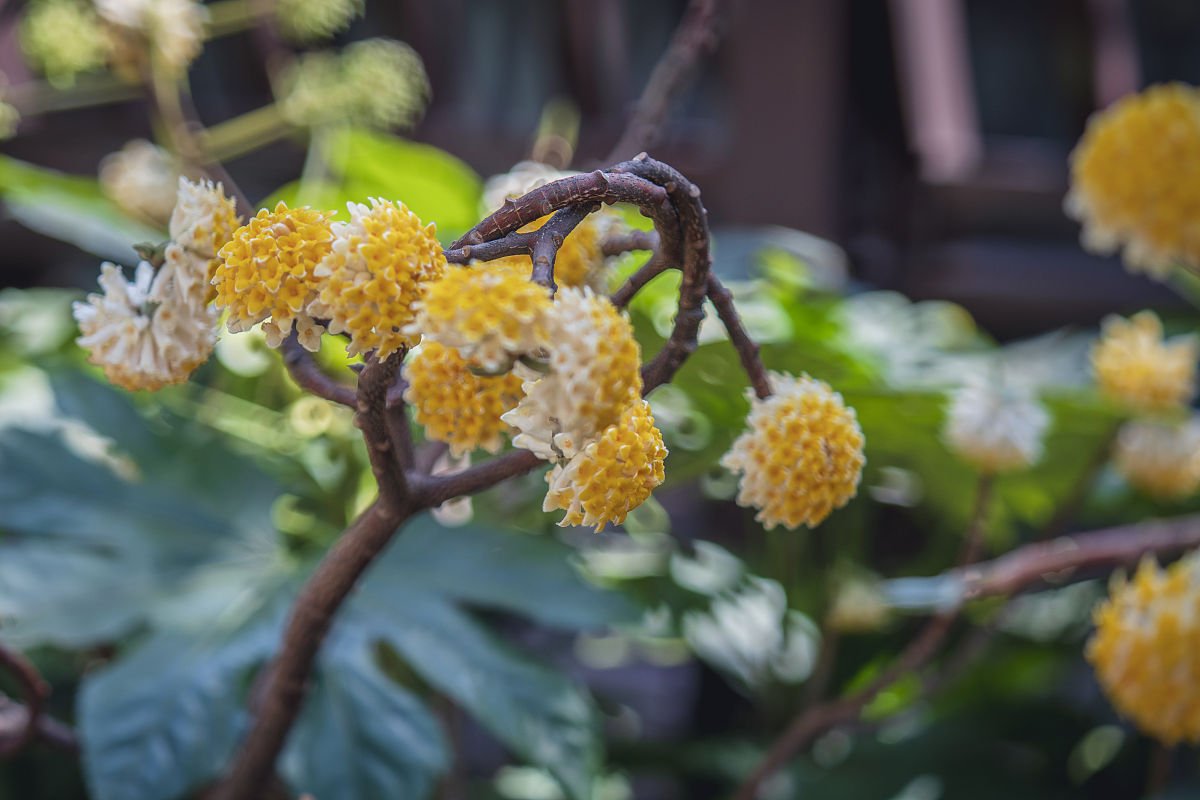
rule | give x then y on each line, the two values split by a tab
611	476
595	374
492	315
802	457
455	405
1135	179
382	261
1146	649
1136	368
267	272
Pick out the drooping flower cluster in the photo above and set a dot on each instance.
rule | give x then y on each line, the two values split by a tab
492	315
1146	649
267	273
142	179
155	330
612	475
803	455
594	377
381	262
62	38
455	405
995	428
380	83
1136	368
174	29
1135	179
1160	458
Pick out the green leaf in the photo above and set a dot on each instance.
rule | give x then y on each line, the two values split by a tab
165	717
537	712
527	575
361	736
437	186
72	208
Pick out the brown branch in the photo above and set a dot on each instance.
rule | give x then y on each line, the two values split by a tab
747	348
305	372
14	716
550	237
633	284
373	420
34	691
696	36
626	242
434	490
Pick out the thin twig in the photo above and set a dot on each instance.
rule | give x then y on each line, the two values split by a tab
747	348
550	238
973	546
696	36
34	691
633	284
14	717
1078	495
629	241
434	490
305	372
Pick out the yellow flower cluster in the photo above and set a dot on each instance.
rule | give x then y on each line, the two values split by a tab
1146	649
1135	179
803	455
612	475
268	272
493	316
595	375
1160	458
380	265
1136	368
455	405
995	428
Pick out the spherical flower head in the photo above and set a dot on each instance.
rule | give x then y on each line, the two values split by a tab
142	179
267	272
595	375
382	261
379	83
613	475
204	218
140	343
62	38
1146	649
173	28
802	456
995	427
1160	458
1135	179
492	315
858	606
308	20
454	404
1136	368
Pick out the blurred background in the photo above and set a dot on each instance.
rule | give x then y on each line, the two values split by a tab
885	181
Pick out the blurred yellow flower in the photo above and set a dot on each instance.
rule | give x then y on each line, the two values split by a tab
1136	368
1159	458
1135	179
62	38
803	455
1146	649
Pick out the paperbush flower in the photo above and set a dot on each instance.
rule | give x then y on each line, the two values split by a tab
612	475
595	374
803	455
382	261
142	344
493	315
455	405
1135	179
1136	368
173	28
1161	459
995	428
375	82
203	221
62	38
1146	649
267	272
306	20
142	179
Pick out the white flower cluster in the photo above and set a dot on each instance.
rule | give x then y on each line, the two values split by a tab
996	427
1162	458
174	28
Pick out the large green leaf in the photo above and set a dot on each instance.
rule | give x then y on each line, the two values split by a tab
165	717
537	712
437	186
361	735
71	208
